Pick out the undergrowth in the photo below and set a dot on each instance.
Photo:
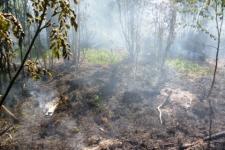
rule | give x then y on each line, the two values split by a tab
103	57
188	67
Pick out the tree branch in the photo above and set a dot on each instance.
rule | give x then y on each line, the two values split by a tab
219	31
25	58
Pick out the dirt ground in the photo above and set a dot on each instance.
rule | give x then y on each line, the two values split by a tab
116	107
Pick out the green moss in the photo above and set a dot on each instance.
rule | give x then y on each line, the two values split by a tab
103	57
187	67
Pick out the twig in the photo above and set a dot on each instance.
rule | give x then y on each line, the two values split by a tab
215	136
162	105
219	27
10	136
9	113
189	145
8	89
4	131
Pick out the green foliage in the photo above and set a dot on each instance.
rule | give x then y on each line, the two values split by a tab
202	29
103	57
187	67
186	1
97	100
98	105
4	24
8	24
6	21
49	54
66	17
35	71
62	12
202	9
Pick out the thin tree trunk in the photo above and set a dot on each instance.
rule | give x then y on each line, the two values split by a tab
77	52
24	60
219	31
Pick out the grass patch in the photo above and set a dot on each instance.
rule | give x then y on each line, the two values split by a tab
188	68
47	53
103	57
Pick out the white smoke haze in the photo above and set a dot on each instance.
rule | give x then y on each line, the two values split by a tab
103	26
120	102
106	27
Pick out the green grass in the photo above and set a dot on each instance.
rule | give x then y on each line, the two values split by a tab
188	68
103	57
46	53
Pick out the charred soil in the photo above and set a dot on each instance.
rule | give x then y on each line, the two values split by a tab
115	107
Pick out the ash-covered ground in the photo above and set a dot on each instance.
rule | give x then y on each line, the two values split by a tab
117	107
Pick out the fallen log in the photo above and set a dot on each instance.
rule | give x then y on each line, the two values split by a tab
215	136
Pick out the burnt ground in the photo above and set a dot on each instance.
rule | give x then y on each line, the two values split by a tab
111	107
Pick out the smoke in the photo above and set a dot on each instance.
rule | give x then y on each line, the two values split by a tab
101	28
41	103
46	101
103	22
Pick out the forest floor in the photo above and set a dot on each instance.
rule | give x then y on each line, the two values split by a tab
116	107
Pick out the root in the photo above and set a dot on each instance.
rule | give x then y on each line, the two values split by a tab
162	105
